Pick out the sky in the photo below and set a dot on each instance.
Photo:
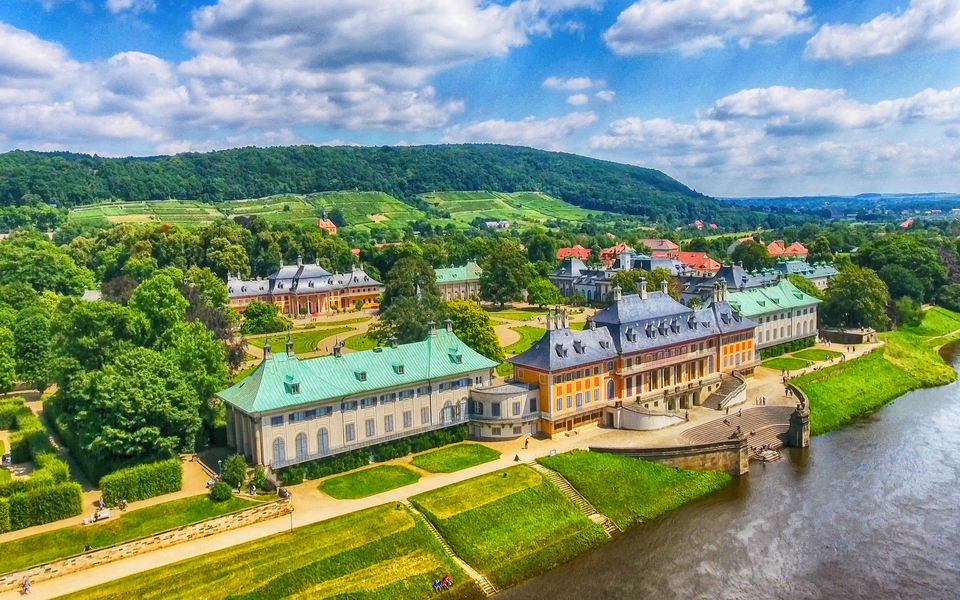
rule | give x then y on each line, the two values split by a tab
731	97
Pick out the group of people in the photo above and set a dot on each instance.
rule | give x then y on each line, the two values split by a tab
760	400
442	584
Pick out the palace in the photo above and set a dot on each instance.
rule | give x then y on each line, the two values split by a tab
459	282
306	290
292	410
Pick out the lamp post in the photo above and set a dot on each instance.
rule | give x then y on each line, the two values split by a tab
220	469
291	519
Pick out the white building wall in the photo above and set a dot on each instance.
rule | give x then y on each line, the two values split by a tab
782	326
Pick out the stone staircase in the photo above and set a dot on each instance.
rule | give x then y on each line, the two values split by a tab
718	399
609	527
756	423
478	577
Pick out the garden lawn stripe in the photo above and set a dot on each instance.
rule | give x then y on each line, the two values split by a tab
367	482
454	458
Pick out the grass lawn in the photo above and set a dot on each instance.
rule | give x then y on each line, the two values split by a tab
817	354
578	326
528	335
936	322
455	457
847	390
368	482
630	490
784	364
510	525
377	554
360	342
45	547
303	341
516	314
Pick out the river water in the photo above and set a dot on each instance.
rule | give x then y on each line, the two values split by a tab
870	511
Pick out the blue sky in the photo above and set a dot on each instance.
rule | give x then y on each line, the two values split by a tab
732	97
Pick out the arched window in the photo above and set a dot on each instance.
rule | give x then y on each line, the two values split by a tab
323	440
301	446
278	453
446	414
611	389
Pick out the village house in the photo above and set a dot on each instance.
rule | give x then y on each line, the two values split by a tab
577	251
700	264
660	247
609	255
777	249
304	289
327	225
459	282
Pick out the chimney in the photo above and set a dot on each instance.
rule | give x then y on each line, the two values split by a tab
564	320
723	291
449	325
618	292
267	351
549	321
338	349
642	283
663	286
299	260
592	325
290	351
433	328
393	341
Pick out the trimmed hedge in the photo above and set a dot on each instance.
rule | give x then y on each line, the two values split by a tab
50	471
795	345
42	505
142	481
10	408
355	459
220	492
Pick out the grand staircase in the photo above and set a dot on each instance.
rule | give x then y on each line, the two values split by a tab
719	399
762	425
609	527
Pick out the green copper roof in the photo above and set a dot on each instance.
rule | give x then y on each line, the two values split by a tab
760	301
471	271
272	386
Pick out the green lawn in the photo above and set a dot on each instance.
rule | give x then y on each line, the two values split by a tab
516	314
784	364
368	482
817	354
337	323
528	335
510	525
841	392
936	322
455	457
630	490
578	326
380	553
360	342
303	341
45	547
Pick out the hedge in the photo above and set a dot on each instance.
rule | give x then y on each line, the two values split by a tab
9	410
30	438
355	459
42	505
142	481
50	471
793	346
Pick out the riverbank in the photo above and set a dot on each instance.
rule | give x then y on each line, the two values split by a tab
908	361
509	525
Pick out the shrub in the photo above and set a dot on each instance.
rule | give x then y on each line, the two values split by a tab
293	475
793	346
234	470
220	492
142	481
259	478
4	515
44	505
29	439
9	410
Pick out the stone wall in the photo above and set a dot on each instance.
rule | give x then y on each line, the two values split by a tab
195	531
729	456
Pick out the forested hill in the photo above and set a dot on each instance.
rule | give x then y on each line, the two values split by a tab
73	179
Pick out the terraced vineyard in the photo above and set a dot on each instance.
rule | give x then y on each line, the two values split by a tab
523	207
275	209
366	208
174	212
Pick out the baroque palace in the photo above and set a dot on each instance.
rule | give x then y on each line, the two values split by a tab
637	364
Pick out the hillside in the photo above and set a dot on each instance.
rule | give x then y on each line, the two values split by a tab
402	172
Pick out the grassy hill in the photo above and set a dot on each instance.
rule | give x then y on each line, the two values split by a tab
404	173
464	207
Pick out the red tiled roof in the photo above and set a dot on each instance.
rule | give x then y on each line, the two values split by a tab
659	244
577	251
699	261
608	255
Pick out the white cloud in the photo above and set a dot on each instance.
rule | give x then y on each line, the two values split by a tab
925	25
550	133
134	6
578	99
691	26
607	96
571	84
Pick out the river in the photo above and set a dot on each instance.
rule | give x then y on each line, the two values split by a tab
870	511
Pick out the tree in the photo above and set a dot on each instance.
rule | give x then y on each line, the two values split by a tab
410	302
119	289
234	470
33	259
472	325
94	333
199	356
32	351
901	283
137	408
805	285
506	273
160	303
8	366
908	312
209	287
856	297
753	256
627	280
543	293
819	250
578	298
542	247
911	254
658	276
409	277
949	297
263	317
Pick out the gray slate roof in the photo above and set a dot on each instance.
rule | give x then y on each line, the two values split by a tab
562	349
300	279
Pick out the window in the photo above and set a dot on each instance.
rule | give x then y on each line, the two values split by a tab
424	390
399	369
567	376
533	405
368	402
517	430
276	420
569	400
294	388
596	370
629	386
407	418
495	409
609	365
516	408
324	411
446	413
278	453
371	427
351	405
349	433
323	441
424	415
387	423
391	397
557	379
301	446
495	431
580	400
458	358
596	395
297	416
559	404
611	390
362	375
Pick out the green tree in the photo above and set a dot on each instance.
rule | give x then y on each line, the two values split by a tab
910	253
908	311
819	250
94	333
200	357
32	351
856	297
541	247
506	273
543	293
753	256
901	282
160	303
263	317
627	280
410	302
805	285
949	297
210	288
472	325
657	277
8	366
234	470
32	259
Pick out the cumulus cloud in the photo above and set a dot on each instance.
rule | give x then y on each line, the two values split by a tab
571	84
925	25
134	6
691	26
578	99
607	96
550	133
